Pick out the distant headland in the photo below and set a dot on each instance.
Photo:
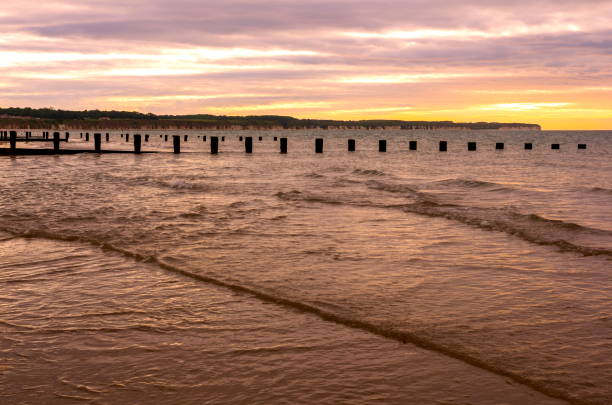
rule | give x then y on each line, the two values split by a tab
50	118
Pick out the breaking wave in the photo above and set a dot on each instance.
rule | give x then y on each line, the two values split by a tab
529	227
327	314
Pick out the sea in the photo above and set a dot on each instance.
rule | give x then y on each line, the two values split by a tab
400	277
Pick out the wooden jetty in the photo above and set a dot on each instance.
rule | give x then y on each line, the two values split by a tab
13	150
56	139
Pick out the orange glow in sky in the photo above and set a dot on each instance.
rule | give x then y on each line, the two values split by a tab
532	61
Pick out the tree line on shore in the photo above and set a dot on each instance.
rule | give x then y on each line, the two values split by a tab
38	118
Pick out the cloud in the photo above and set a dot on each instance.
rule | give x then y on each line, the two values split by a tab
336	56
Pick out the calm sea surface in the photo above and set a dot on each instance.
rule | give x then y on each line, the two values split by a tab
406	277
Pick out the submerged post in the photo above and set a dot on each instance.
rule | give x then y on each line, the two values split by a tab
319	145
165	138
412	145
248	144
107	137
471	146
87	137
582	146
499	146
127	137
67	136
98	142
56	142
351	145
186	138
137	143
214	145
382	145
283	145
555	146
443	146
146	137
176	143
528	146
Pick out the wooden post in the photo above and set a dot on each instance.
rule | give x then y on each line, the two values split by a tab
204	138
319	145
382	145
351	145
412	145
165	138
555	146
214	145
185	138
283	145
146	137
56	142
67	136
443	146
528	146
248	144
98	142
240	138
499	146
127	137
27	135
276	138
472	146
176	141
582	146
13	141
222	139
87	137
107	137
137	143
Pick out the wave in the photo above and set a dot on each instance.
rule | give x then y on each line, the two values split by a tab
182	184
408	190
470	183
314	175
600	190
529	227
295	195
370	172
387	331
466	183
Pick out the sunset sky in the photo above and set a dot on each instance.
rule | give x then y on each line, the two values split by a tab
540	61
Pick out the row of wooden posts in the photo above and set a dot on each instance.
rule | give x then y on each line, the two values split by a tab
214	142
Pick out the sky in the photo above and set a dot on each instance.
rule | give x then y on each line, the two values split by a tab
535	61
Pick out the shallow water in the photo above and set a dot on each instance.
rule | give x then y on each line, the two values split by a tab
481	267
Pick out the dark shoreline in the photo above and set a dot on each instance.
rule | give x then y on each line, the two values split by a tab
47	118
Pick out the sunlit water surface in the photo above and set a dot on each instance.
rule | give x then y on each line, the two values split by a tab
406	277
